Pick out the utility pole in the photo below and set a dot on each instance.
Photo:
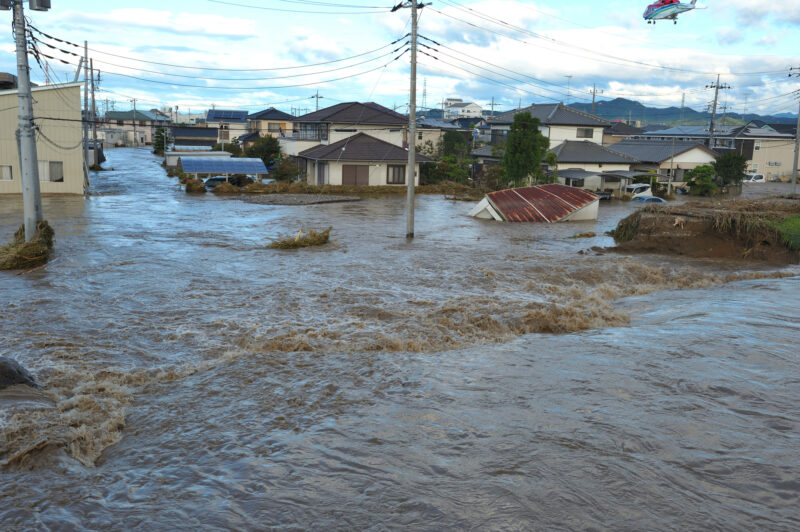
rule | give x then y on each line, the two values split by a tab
85	117
569	80
412	127
135	133
317	96
796	139
493	104
28	157
683	104
594	93
716	86
95	161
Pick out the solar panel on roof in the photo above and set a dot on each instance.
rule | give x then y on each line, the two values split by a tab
205	165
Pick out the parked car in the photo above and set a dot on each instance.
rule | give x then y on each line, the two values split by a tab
649	199
754	178
213	181
638	189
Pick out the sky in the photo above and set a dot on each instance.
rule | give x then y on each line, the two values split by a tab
255	54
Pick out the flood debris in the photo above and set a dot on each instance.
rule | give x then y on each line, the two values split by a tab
12	372
587	234
302	239
766	230
542	203
195	186
226	188
20	255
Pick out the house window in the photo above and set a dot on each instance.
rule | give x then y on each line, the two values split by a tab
120	122
5	172
585	133
757	145
419	135
753	167
274	128
52	171
396	174
142	122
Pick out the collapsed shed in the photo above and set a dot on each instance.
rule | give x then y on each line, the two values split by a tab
542	203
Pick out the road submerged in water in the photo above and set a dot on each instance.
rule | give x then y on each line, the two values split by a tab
482	376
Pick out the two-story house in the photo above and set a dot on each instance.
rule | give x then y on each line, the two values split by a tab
557	122
132	128
230	124
271	122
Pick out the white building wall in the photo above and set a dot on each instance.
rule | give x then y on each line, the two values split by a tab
393	134
58	112
377	173
559	134
774	158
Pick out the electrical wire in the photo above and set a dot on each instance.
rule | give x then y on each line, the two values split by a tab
315	12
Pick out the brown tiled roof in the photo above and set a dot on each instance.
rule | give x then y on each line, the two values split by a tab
360	147
355	113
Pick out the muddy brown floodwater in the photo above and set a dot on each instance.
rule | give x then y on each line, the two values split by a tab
483	376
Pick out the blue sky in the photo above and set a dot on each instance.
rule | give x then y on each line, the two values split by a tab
512	51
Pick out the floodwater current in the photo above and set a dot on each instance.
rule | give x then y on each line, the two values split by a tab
483	376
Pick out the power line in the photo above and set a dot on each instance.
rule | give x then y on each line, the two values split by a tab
315	12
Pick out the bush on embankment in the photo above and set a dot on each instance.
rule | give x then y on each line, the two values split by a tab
19	255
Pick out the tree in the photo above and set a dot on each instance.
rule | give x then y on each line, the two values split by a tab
268	149
701	180
552	162
160	141
525	149
233	149
454	145
730	168
286	169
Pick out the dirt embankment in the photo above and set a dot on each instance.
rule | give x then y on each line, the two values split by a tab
764	230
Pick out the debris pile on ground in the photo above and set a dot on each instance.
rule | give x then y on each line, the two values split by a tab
767	230
455	190
195	186
302	240
226	188
19	255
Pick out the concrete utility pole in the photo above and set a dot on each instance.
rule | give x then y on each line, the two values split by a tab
135	133
716	86
85	116
28	158
317	96
412	127
594	93
95	162
796	139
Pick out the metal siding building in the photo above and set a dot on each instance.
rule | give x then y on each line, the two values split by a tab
57	114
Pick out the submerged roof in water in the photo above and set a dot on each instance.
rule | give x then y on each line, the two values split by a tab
543	203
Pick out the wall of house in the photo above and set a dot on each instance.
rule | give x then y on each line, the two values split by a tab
434	136
263	127
773	158
559	134
595	167
65	138
234	129
393	134
290	146
377	173
684	162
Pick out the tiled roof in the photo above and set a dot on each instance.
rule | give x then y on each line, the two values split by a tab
577	151
270	114
248	137
360	147
552	114
621	128
649	151
128	115
355	113
226	115
432	123
198	132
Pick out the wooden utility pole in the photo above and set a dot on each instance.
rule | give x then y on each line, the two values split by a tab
28	157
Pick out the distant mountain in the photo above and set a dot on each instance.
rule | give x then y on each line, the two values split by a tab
624	109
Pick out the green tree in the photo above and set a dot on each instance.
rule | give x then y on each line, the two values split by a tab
287	169
454	145
230	147
160	141
268	149
730	168
552	161
701	180
525	149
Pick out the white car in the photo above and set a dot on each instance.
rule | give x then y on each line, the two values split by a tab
638	190
754	178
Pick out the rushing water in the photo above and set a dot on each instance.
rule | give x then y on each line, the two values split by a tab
482	376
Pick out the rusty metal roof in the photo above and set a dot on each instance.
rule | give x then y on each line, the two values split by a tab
543	203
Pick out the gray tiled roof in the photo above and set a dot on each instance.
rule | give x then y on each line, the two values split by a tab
355	113
199	132
433	123
553	114
583	151
621	128
270	114
655	151
128	115
360	147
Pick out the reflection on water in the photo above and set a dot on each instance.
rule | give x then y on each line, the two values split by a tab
194	377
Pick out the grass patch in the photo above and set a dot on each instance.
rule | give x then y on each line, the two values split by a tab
226	188
627	227
789	230
19	255
195	186
302	240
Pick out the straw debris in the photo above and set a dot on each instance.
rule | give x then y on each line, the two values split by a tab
588	234
302	240
20	255
195	186
226	188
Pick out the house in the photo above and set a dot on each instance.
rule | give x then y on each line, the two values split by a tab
138	127
194	137
671	160
455	108
270	122
338	122
230	124
557	122
360	159
430	133
612	183
543	203
587	155
59	139
619	131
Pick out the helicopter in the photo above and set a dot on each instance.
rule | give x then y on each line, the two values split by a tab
667	9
